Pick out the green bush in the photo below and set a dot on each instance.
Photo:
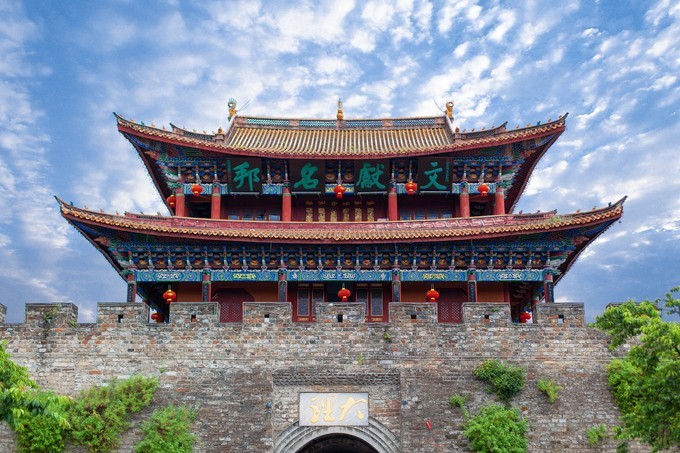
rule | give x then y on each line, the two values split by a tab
596	433
459	401
506	380
99	415
168	430
497	429
550	388
43	433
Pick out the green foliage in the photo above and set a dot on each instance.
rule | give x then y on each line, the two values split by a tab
646	383
550	388
20	397
459	401
360	359
506	380
100	414
167	430
497	429
43	433
596	433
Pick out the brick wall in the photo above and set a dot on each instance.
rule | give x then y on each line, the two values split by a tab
247	377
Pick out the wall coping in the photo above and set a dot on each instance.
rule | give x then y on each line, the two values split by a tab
46	315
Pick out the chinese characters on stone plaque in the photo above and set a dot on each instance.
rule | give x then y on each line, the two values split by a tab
333	409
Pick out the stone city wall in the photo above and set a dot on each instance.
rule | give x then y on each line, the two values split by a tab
247	377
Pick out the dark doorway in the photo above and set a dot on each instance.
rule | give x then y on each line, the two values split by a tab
337	443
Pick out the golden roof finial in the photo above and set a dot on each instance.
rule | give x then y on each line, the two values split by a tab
340	115
449	109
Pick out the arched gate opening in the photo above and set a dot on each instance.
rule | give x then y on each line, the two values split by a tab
374	438
337	443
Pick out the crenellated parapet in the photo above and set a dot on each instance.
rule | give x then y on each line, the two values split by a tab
122	313
112	314
492	314
561	315
415	313
51	314
194	313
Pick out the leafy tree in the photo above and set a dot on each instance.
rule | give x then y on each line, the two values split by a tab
20	397
646	383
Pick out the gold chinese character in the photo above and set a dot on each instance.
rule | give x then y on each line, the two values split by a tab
351	402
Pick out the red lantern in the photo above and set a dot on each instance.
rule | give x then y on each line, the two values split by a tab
483	188
172	201
170	296
339	190
410	187
344	294
196	189
158	317
432	295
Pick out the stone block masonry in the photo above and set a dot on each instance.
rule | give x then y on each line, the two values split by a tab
247	377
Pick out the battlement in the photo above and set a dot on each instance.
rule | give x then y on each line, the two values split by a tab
280	313
248	376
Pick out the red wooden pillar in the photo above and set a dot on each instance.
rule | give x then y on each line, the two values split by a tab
548	289
207	286
464	200
392	207
131	287
286	209
216	202
472	284
396	285
283	285
180	206
499	205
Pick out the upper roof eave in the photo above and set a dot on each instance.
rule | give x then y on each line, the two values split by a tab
345	232
451	141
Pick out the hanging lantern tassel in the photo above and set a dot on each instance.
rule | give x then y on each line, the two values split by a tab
483	188
344	294
428	424
339	190
432	295
196	189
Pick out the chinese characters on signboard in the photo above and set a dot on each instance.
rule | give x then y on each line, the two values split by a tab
245	175
371	175
307	175
434	174
333	409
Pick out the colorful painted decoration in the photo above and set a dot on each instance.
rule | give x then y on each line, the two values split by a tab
170	296
172	201
196	189
483	188
339	190
432	295
410	187
344	294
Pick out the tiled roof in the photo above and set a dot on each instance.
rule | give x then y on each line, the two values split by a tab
350	232
287	138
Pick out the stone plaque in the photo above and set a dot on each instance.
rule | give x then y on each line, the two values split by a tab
333	409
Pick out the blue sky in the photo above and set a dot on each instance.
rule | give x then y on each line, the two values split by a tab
65	66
